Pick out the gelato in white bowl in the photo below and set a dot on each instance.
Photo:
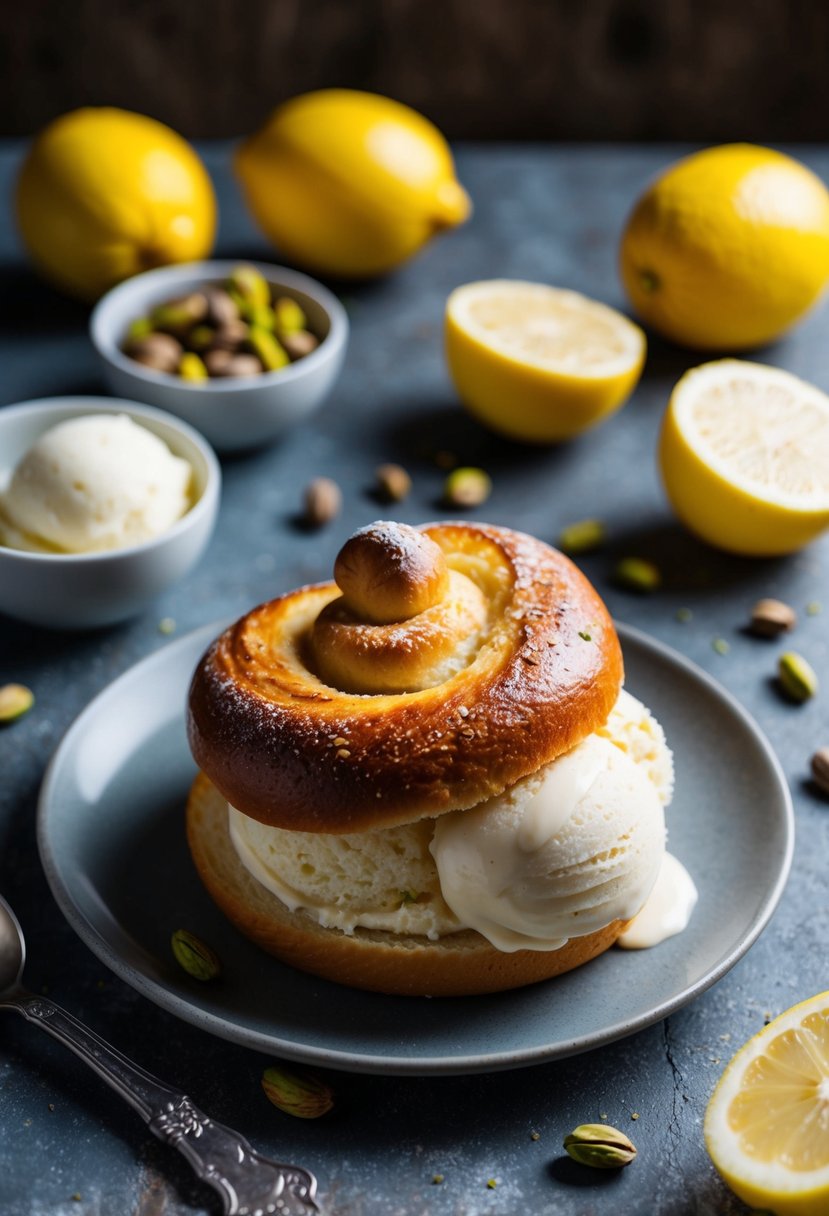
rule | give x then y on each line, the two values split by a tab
103	504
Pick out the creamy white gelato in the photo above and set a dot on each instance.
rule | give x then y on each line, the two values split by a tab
558	855
93	483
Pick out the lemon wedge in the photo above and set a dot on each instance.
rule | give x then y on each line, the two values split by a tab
767	1124
539	363
744	455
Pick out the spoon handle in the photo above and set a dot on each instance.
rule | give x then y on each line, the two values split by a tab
250	1185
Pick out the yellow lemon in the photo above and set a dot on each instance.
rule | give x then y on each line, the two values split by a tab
728	248
538	363
350	183
104	194
767	1124
744	454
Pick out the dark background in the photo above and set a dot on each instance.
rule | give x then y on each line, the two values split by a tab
701	70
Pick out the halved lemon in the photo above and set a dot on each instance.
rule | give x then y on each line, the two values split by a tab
767	1124
539	363
744	455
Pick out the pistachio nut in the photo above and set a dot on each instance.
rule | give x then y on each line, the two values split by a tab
797	677
261	315
393	482
139	328
599	1146
178	315
231	335
228	363
200	338
242	366
218	360
161	352
581	537
15	701
289	316
770	618
266	347
192	368
194	956
637	574
323	501
221	308
819	764
302	1095
247	283
467	487
299	344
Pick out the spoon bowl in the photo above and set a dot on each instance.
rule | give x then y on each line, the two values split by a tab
12	950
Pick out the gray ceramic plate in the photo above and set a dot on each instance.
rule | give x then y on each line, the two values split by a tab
112	842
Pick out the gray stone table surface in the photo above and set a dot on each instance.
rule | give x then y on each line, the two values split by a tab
68	1144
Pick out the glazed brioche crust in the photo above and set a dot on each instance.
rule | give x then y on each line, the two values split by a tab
462	964
288	749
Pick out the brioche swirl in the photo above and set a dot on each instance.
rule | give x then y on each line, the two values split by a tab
449	662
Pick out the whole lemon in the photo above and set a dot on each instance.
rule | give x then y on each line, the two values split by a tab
728	248
104	194
350	183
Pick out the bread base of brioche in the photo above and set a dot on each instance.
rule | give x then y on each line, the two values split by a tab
460	964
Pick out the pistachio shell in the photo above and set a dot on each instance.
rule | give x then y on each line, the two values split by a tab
302	1095
194	956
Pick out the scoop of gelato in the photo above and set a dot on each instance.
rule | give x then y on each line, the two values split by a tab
94	483
561	853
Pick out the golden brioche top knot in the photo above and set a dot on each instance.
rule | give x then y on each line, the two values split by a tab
404	621
445	663
390	572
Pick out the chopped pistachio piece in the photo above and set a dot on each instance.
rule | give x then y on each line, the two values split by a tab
637	574
249	284
289	316
270	352
15	701
582	537
467	487
192	368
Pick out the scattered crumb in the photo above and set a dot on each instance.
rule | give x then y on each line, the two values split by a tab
813	608
603	1116
437	1179
684	615
27	1123
343	753
51	1106
77	1197
585	636
535	1135
720	645
492	1183
634	1114
167	624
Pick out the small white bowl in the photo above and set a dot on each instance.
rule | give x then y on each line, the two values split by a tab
84	590
233	413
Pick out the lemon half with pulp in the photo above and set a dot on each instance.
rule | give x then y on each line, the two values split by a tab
539	363
767	1124
744	455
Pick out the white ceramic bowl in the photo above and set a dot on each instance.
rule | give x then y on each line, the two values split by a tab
232	413
81	591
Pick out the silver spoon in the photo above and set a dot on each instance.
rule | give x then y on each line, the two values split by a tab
250	1185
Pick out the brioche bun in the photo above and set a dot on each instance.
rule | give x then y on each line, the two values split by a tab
491	679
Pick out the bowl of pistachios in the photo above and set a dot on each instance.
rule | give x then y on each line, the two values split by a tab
240	351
